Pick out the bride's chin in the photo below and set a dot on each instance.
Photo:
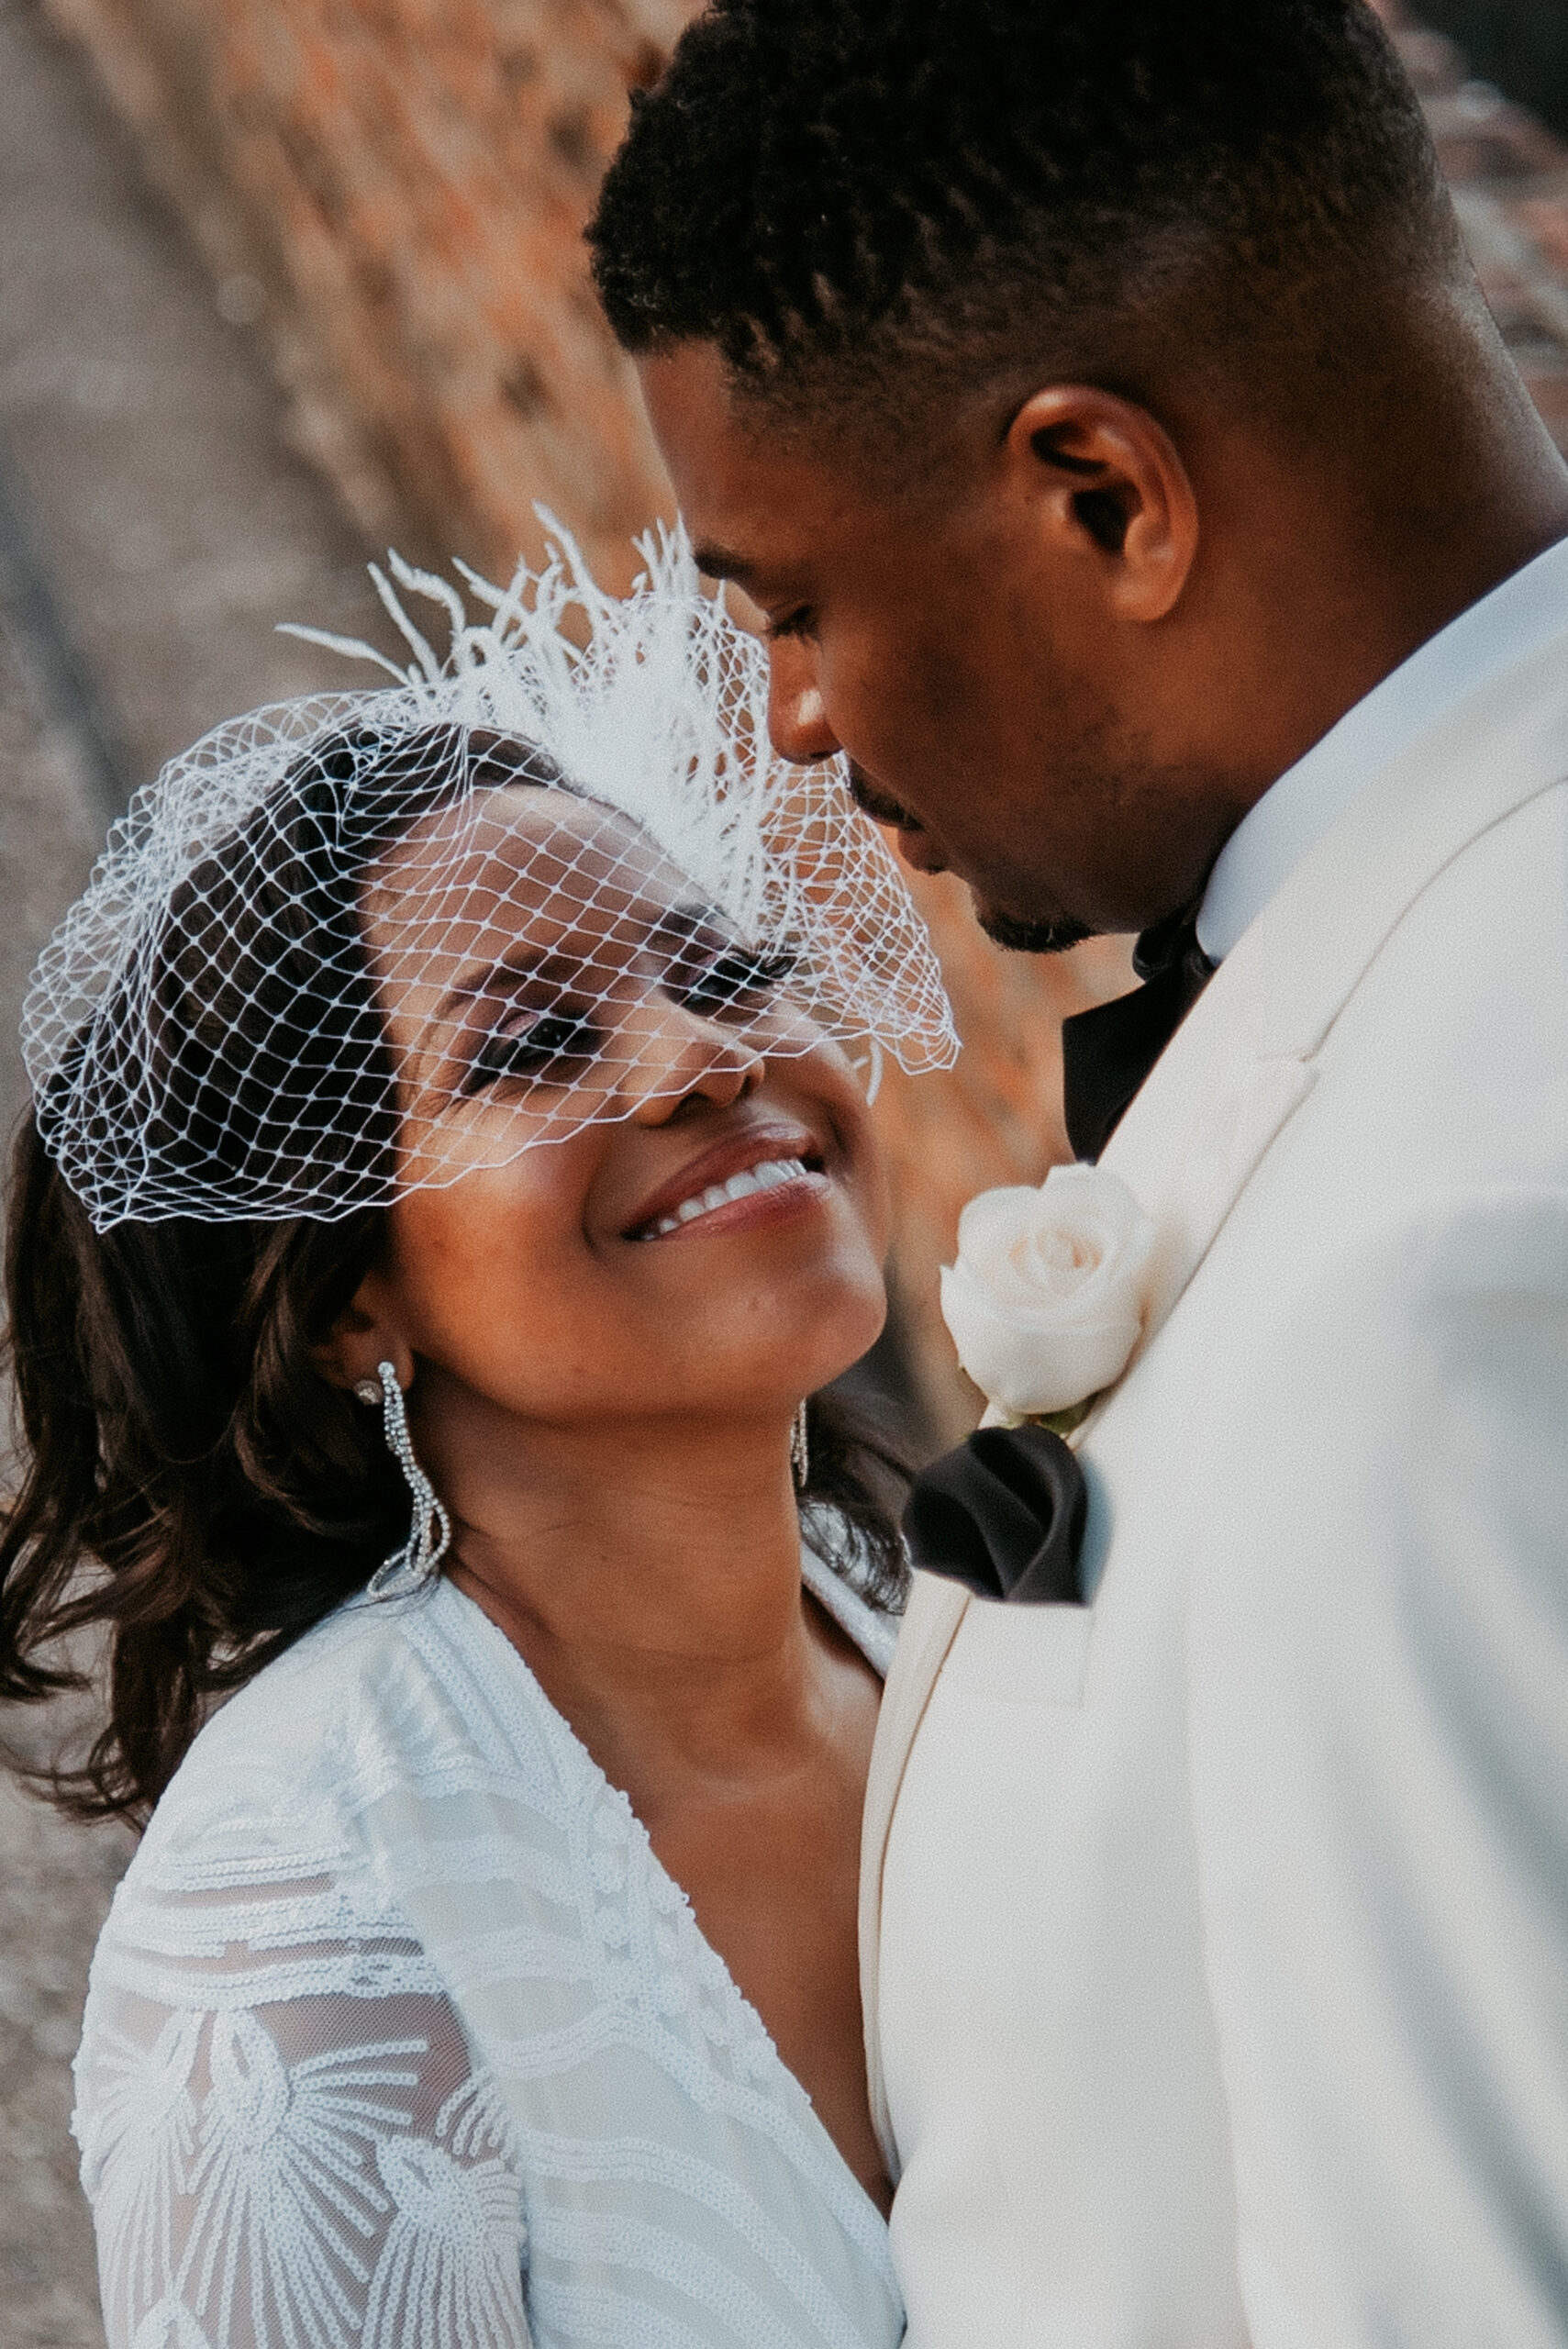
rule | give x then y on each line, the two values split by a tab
771	1322
822	1333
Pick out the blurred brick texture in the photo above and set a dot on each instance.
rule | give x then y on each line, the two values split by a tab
1509	178
394	192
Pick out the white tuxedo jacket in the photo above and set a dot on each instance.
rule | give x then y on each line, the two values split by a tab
1216	1933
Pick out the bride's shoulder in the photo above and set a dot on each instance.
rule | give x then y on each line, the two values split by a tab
278	1865
373	1700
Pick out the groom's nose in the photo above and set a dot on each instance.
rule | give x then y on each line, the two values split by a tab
798	716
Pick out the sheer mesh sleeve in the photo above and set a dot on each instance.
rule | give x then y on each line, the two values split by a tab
398	2036
286	2143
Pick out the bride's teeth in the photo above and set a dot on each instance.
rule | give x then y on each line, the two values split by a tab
765	1176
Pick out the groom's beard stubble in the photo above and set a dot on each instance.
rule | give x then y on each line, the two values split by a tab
1018	935
1032	937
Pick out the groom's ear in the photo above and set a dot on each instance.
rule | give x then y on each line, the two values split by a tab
366	1333
1107	489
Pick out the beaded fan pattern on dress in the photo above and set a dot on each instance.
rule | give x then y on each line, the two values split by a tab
373	940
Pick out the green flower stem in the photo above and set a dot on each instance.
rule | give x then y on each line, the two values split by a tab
1064	1423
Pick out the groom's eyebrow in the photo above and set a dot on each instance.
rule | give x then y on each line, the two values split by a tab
723	563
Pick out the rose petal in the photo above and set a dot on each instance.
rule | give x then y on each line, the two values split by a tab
1024	1360
1048	1298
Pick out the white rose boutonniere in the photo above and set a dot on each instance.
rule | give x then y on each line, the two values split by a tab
1050	1292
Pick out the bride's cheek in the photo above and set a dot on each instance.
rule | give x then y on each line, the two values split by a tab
864	1166
501	1250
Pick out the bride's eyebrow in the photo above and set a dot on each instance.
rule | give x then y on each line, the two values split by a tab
485	977
696	924
722	563
693	925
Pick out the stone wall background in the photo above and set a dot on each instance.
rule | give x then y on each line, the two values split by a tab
1521	44
394	191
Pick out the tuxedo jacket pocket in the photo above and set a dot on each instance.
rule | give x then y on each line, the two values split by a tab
1022	1656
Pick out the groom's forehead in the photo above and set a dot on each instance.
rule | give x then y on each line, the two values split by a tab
760	495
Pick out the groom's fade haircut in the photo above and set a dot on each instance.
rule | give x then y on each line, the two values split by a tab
868	200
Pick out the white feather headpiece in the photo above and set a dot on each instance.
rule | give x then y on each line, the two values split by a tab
322	961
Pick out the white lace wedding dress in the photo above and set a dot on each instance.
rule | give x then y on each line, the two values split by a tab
399	2037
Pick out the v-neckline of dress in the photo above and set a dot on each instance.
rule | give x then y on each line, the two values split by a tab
862	1624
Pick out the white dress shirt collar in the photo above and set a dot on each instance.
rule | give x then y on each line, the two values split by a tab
1274	835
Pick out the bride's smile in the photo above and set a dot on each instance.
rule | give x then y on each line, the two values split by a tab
732	1175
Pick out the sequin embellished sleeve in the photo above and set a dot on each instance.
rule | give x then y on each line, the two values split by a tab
285	2140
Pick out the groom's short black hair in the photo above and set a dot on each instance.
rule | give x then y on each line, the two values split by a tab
843	192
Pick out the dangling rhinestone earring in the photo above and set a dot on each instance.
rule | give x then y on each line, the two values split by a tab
799	1449
410	1568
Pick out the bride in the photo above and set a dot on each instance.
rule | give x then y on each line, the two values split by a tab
448	1173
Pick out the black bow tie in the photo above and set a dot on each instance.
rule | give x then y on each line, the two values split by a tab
1108	1052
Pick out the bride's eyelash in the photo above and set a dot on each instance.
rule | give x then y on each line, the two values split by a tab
550	1043
729	979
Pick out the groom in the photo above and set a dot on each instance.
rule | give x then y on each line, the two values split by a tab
1095	398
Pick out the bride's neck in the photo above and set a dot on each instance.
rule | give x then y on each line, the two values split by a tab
649	1573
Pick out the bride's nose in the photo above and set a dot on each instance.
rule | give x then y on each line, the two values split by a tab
680	1056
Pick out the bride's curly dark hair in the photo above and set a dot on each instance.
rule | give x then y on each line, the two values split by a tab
193	1488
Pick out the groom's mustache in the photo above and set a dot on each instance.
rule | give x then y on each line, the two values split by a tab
915	842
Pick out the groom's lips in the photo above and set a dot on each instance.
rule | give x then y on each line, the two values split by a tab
879	805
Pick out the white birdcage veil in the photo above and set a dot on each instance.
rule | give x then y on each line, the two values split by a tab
374	939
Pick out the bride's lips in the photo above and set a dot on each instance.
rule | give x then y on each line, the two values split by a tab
767	1153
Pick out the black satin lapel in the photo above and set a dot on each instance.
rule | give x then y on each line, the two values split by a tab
1003	1514
1108	1050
